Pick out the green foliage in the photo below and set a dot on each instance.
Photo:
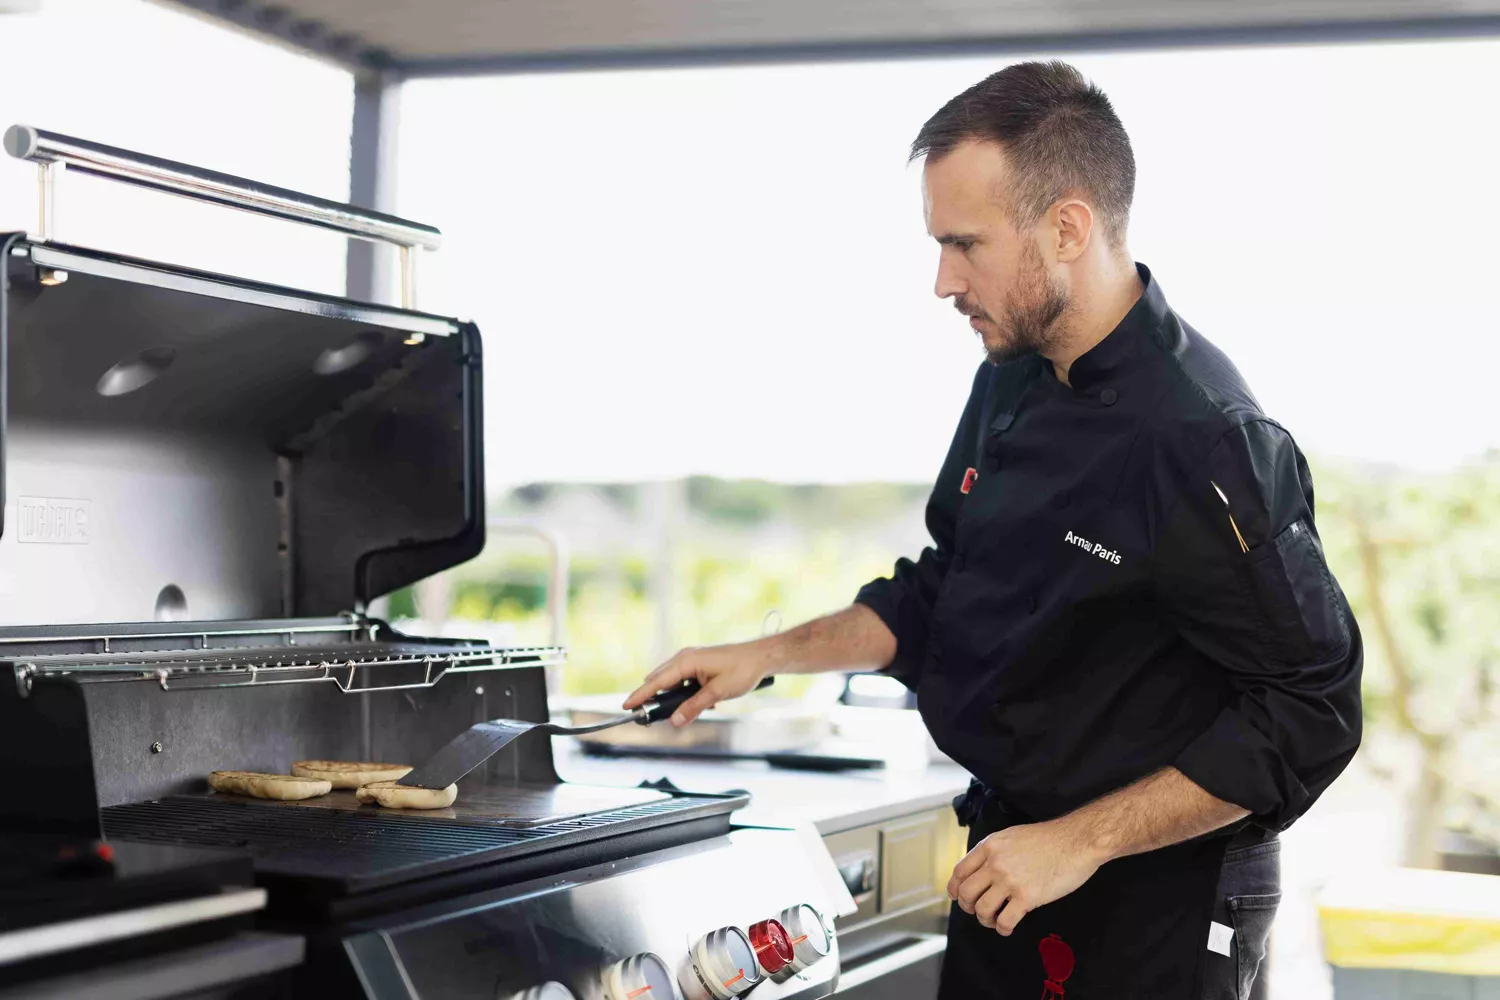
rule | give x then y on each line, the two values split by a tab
742	502
403	604
1419	559
718	595
1417	555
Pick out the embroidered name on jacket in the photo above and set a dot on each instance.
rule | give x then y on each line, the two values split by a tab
1093	548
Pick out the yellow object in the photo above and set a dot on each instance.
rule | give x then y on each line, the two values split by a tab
1407	918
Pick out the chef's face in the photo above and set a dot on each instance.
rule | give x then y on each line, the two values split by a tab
997	275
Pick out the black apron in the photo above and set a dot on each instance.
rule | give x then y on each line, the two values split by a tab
1136	930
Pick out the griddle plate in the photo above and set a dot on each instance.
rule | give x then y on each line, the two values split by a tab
355	851
494	805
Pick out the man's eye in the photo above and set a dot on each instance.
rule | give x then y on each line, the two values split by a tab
964	246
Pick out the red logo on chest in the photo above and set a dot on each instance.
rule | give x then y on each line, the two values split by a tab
970	475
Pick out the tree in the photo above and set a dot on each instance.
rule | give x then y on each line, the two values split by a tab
1419	559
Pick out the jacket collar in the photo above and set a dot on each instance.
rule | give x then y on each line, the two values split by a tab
1124	341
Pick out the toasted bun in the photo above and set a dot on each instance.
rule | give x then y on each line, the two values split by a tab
267	786
349	774
394	796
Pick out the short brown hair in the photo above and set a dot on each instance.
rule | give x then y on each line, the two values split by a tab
1059	132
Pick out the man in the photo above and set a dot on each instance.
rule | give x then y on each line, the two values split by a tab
1125	628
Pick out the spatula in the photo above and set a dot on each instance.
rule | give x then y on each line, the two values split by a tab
483	740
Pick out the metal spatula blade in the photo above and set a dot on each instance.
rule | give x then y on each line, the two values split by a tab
465	752
483	740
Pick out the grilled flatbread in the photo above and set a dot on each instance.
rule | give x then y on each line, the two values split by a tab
267	786
394	796
349	774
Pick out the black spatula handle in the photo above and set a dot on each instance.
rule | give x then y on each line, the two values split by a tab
667	703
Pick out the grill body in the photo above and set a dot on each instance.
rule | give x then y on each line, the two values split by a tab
206	481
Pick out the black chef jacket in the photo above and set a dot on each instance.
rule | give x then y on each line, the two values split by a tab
1088	613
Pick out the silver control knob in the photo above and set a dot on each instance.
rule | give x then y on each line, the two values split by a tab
546	991
809	934
723	964
639	977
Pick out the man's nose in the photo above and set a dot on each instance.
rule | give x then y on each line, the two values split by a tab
950	285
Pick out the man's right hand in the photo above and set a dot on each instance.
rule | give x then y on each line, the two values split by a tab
852	639
723	671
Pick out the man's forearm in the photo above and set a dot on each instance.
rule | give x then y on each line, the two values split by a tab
1159	810
852	639
1019	868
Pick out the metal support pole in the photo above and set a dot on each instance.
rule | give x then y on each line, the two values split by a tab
48	178
557	582
371	275
408	277
556	544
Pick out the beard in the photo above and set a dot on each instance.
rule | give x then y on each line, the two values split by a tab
1030	322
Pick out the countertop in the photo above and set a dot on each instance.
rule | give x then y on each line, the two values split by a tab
830	801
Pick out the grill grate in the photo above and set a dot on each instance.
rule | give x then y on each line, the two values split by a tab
360	850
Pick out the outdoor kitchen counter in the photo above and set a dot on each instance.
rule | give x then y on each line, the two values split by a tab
831	801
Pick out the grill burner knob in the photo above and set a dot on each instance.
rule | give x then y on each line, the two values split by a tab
639	977
773	947
725	965
808	933
546	991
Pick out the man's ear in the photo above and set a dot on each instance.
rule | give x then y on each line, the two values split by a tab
1074	221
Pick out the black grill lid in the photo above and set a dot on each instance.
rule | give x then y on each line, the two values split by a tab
337	443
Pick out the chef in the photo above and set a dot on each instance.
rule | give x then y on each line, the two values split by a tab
1125	628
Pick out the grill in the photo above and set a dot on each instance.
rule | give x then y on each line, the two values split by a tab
210	483
356	851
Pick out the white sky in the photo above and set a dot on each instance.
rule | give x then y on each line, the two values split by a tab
148	78
724	270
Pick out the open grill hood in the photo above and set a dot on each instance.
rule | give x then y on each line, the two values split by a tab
264	452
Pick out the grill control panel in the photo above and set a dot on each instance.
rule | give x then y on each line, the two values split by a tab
723	964
643	975
671	925
546	991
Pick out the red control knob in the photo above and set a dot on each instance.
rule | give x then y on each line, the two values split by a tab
773	946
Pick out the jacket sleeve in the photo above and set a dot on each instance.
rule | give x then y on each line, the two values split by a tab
904	600
1243	578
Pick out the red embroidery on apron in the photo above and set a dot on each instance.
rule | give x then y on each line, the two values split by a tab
1057	960
970	474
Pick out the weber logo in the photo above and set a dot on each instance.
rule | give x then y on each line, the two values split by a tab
1093	548
52	521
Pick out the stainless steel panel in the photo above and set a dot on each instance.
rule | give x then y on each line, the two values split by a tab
909	863
856	855
278	298
569	929
83	932
162	509
187	972
908	971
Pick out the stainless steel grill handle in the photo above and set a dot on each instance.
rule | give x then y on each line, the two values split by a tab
53	152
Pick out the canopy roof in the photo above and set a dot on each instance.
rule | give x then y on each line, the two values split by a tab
443	37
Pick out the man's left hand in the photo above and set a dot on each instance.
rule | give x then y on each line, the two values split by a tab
1015	870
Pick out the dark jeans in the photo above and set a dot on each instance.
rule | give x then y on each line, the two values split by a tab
1249	891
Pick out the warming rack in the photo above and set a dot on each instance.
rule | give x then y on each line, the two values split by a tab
228	657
